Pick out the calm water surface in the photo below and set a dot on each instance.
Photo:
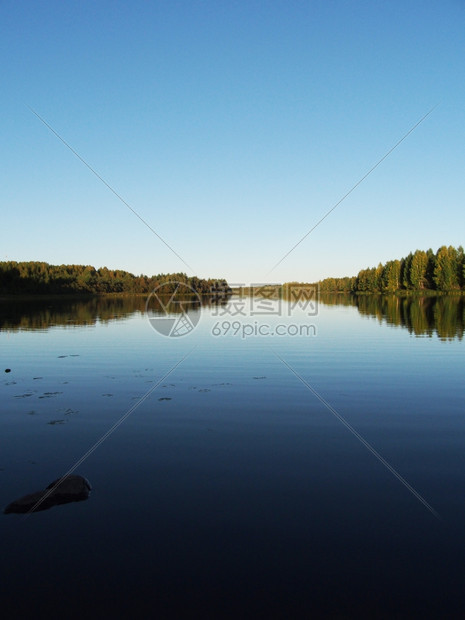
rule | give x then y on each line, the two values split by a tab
232	491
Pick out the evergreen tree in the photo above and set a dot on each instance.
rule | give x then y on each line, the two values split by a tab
430	269
418	267
461	266
391	276
446	269
405	275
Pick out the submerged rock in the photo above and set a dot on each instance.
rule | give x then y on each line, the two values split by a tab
65	490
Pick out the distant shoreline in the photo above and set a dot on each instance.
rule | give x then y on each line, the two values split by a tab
78	296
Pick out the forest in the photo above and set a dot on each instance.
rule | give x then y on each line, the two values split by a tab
443	271
24	278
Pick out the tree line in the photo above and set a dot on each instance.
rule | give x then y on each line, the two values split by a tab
41	278
443	271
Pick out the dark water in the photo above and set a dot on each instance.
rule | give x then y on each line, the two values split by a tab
232	490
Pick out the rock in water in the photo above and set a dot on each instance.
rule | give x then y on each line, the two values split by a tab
65	490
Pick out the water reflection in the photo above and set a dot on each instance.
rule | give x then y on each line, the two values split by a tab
423	316
48	312
40	314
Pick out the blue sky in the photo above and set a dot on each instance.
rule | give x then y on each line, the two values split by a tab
231	127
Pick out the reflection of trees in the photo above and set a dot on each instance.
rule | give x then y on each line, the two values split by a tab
166	304
449	317
45	313
422	316
337	299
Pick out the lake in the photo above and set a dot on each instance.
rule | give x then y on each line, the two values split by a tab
290	460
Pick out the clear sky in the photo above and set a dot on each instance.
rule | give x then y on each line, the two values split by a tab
231	127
